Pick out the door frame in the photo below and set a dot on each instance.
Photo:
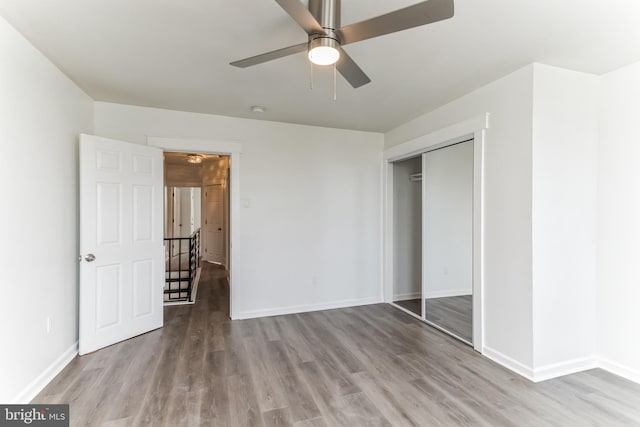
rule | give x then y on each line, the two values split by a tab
232	149
470	129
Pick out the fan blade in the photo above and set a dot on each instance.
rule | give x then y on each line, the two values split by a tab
269	56
350	70
301	15
413	16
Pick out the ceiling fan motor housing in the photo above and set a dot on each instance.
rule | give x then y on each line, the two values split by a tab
329	39
326	12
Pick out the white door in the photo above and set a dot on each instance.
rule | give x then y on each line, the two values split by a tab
121	241
213	239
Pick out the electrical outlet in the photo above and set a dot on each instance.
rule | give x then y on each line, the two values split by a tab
48	324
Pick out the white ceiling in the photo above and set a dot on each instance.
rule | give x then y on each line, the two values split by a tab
175	53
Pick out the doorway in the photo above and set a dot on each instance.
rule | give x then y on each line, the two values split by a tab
233	151
196	214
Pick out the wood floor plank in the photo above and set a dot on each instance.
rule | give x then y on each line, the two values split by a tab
270	392
297	347
277	418
362	366
244	410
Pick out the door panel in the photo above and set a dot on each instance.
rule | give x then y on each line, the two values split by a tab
108	296
121	226
142	213
108	213
142	288
447	245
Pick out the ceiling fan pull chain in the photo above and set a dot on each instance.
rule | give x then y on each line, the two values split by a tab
335	82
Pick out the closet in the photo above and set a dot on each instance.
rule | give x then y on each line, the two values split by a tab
433	238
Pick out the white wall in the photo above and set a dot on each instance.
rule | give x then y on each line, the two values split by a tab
41	114
565	143
618	288
407	223
508	169
448	215
311	234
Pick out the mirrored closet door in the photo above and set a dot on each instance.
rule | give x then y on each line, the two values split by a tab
433	238
447	239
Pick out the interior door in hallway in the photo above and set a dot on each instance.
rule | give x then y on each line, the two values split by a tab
213	236
121	241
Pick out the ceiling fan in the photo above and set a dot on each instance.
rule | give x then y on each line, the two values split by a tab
326	37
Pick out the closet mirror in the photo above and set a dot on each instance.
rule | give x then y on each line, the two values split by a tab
447	281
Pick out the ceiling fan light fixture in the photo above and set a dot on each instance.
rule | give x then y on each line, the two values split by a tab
323	51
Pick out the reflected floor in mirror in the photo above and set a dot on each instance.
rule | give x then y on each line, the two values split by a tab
413	305
455	314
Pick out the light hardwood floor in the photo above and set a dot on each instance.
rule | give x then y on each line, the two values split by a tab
364	366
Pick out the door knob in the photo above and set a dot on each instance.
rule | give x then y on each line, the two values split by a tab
90	258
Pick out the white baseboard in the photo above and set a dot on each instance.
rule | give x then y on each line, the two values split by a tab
563	368
568	367
542	373
278	311
448	293
407	296
619	370
509	363
41	381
